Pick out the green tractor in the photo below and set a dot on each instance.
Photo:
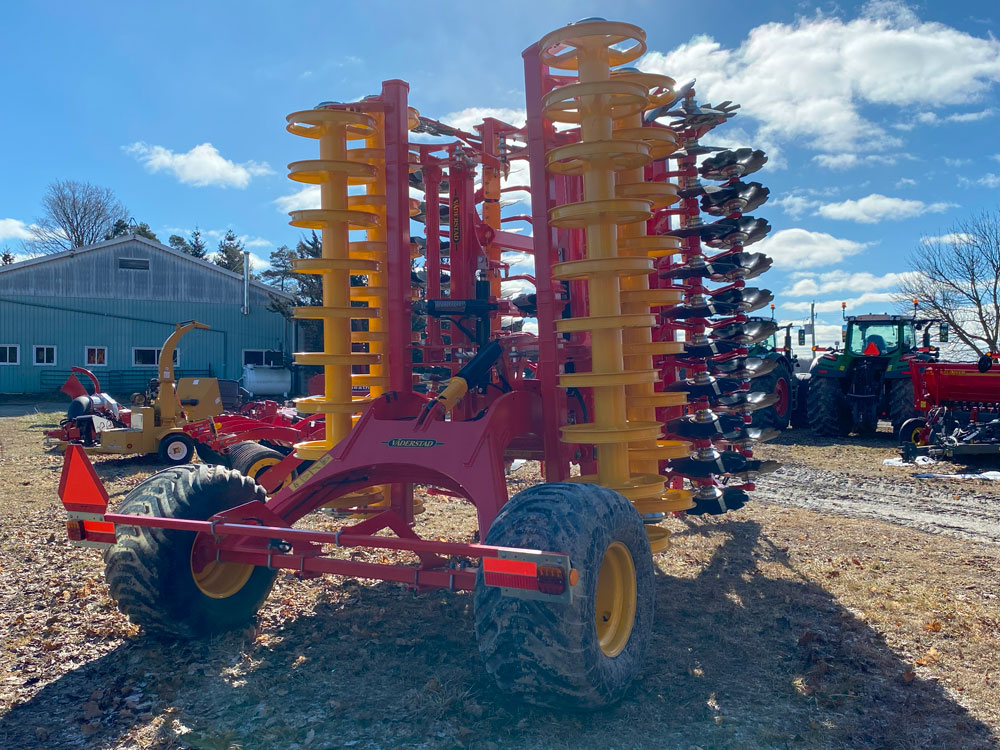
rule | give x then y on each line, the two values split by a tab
851	389
779	376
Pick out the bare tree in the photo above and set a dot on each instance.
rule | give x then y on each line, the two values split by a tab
957	278
75	214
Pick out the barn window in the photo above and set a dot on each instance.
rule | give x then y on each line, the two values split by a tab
133	264
253	357
143	357
45	355
10	354
96	356
262	357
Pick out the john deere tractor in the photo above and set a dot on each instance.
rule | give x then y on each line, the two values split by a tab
851	389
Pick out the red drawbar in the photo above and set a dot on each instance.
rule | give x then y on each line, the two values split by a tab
872	349
79	487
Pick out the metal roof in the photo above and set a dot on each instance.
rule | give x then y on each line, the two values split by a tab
208	265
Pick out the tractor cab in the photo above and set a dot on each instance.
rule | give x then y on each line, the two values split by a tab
879	335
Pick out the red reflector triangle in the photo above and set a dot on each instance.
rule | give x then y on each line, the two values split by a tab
872	349
79	484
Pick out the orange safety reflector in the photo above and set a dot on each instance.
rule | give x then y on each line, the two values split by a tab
512	567
91	531
872	349
79	487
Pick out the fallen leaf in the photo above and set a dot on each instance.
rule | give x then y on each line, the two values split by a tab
930	657
909	675
933	626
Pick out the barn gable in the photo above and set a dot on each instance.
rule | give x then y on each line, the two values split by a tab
130	267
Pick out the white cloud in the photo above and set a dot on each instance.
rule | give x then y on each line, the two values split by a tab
825	306
466	119
876	207
848	160
932	118
203	165
947	239
809	80
307	197
14	229
801	248
905	182
808	284
989	180
956	162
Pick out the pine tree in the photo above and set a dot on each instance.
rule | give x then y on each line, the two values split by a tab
281	273
122	228
230	253
194	247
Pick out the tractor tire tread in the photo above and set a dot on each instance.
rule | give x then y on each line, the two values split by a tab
901	406
829	415
148	569
538	651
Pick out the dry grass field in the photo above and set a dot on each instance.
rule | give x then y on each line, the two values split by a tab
801	621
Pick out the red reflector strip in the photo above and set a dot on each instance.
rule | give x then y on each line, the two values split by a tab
511	567
85	508
510	580
98	527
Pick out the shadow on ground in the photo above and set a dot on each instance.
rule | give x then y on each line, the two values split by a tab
738	660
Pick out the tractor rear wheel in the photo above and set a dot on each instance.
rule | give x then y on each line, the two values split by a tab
253	459
901	406
800	414
778	382
829	414
582	655
150	571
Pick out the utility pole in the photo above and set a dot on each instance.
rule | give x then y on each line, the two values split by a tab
812	324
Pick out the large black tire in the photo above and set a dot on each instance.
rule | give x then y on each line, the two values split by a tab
909	431
149	570
253	459
550	653
176	449
901	406
800	413
829	413
778	415
209	456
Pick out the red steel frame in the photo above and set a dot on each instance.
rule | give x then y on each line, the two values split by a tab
398	440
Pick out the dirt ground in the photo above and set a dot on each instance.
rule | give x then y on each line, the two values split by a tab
850	605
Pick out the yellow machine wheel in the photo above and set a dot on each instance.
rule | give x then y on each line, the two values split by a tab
581	654
147	570
614	611
253	460
220	580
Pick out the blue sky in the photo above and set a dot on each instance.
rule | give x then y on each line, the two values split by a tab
880	118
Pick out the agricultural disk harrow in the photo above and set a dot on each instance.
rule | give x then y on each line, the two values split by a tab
634	395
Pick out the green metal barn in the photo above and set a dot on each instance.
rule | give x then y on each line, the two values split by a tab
109	307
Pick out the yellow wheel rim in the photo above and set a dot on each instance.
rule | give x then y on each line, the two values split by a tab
220	580
614	614
259	466
915	435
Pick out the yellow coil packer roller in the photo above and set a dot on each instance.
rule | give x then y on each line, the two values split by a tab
610	162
